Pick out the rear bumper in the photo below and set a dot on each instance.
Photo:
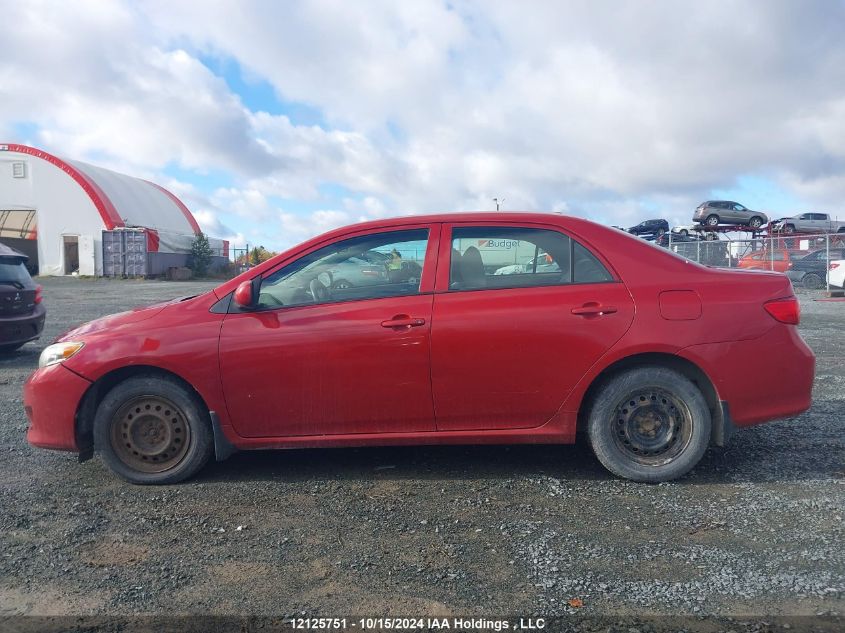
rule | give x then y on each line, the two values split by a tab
763	379
23	328
51	397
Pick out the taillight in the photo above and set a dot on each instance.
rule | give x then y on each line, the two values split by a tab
38	296
785	310
833	266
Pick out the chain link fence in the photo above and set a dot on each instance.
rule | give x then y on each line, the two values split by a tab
805	259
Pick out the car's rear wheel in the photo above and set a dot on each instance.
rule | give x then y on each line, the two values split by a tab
755	222
152	430
649	424
712	220
812	281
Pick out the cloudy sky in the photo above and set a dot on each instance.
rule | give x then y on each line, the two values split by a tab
277	120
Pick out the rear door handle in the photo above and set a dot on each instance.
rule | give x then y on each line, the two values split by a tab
594	309
402	320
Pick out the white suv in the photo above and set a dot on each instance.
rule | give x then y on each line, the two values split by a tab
836	274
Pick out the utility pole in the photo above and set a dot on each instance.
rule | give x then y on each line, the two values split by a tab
498	202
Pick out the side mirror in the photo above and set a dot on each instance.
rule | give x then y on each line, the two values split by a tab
246	295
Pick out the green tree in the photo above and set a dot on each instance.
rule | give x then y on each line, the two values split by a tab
259	254
200	255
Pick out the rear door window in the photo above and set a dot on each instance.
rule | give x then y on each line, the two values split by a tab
519	257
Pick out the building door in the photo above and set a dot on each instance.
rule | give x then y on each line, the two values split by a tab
71	253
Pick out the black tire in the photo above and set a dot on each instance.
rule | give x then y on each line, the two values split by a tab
755	222
166	439
684	232
789	229
712	220
812	281
11	347
668	406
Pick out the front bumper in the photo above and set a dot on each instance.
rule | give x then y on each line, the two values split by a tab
51	397
22	328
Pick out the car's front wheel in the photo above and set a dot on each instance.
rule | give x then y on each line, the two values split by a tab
153	430
812	281
649	424
755	222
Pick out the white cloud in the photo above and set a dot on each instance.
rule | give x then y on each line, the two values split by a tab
610	110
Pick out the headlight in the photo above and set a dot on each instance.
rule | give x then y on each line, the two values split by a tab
58	352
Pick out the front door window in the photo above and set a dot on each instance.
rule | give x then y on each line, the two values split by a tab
367	267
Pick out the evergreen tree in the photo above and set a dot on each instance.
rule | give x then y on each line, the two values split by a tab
200	255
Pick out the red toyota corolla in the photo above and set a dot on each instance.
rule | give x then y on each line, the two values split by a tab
476	328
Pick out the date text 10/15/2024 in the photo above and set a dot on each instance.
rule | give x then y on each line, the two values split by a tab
430	624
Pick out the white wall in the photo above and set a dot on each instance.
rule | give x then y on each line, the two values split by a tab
62	208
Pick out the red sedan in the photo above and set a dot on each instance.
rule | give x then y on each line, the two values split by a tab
652	356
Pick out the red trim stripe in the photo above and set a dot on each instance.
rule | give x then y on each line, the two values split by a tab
185	211
111	218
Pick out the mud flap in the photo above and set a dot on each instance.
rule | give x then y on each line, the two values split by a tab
223	448
722	428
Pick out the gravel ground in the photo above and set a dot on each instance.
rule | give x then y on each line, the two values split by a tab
755	531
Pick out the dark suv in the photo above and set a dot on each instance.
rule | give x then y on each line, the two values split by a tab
21	311
650	227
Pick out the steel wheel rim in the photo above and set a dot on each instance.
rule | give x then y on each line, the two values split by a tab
150	434
652	426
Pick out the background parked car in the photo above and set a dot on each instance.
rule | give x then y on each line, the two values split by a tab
836	275
716	212
684	229
810	270
545	264
778	260
21	310
675	238
650	227
809	223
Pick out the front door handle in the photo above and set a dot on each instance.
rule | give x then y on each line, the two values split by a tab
403	321
594	309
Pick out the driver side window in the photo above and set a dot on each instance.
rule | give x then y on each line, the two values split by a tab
366	267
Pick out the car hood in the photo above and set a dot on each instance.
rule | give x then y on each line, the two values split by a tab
112	321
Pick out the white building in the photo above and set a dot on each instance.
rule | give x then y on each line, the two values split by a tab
66	205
